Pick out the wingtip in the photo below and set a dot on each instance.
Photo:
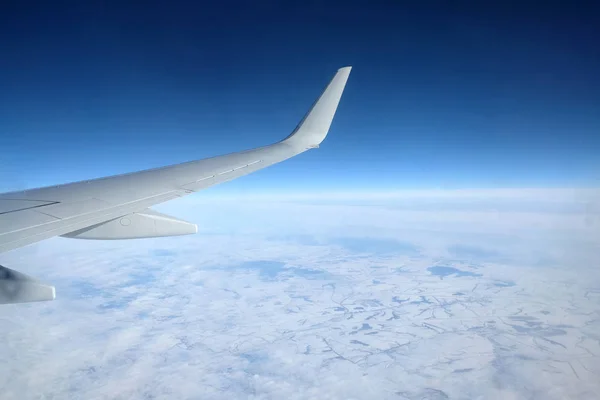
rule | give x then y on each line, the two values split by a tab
313	128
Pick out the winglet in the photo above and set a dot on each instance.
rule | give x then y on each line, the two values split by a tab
313	128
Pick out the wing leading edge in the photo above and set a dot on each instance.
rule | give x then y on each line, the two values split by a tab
97	209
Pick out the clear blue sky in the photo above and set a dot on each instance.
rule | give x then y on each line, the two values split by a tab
442	94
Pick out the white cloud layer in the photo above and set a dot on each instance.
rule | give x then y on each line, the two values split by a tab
321	298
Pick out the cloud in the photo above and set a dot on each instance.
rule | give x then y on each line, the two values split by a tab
295	300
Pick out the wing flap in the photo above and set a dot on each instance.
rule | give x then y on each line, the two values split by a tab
16	221
33	234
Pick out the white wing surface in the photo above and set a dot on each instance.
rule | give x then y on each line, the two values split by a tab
117	207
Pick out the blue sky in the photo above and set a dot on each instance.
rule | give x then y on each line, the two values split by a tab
460	95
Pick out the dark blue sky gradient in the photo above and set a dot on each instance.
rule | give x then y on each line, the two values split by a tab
443	94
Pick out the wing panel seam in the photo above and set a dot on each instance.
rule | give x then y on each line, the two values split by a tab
107	210
30	208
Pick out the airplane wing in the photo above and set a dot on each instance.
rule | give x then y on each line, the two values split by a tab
117	207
